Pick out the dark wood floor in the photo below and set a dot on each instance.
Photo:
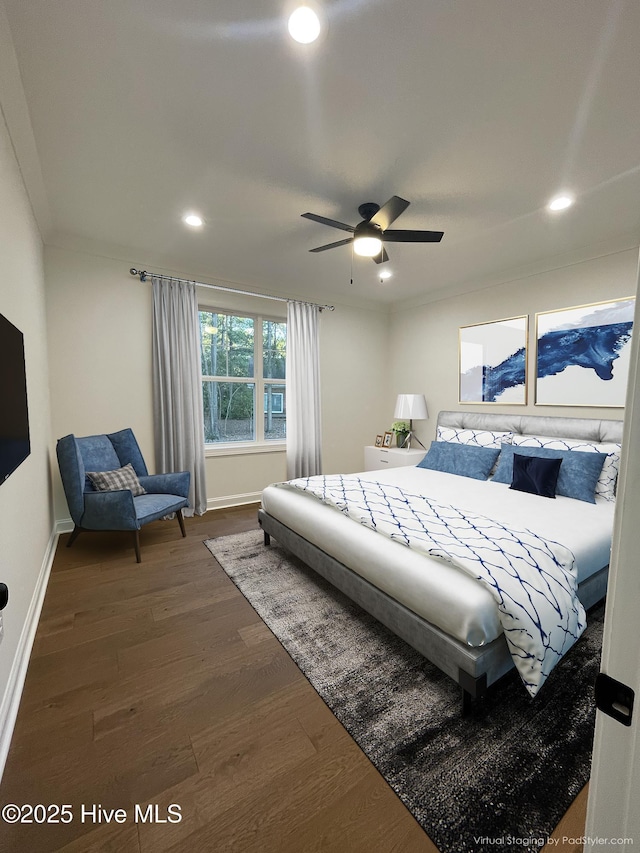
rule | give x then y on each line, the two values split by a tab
157	684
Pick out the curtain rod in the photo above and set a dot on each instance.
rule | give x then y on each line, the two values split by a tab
142	274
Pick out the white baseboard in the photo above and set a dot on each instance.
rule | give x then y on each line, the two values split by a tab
233	500
15	684
64	525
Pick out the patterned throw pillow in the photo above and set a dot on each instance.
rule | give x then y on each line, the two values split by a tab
475	437
114	481
606	485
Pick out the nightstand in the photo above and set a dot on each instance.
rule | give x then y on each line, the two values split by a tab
391	457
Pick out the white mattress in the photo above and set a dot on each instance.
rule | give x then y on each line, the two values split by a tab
439	592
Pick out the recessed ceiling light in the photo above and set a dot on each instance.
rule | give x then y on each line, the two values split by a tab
193	220
385	273
561	202
304	25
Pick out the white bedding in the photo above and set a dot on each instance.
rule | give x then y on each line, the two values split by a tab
433	589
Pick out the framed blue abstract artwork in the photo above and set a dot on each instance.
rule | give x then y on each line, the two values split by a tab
582	356
493	362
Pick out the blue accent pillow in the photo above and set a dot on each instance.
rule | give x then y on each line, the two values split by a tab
535	475
578	475
463	459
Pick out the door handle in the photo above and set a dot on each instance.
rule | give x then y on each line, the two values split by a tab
614	698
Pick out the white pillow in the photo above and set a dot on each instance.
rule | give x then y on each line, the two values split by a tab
477	437
606	485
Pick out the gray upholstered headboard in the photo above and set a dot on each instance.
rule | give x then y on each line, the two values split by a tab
589	429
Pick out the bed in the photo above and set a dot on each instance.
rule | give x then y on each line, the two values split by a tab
444	613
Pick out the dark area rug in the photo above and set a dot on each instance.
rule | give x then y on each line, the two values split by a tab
502	777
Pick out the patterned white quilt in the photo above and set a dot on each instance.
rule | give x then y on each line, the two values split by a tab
532	580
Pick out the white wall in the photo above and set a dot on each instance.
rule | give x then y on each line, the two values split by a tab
100	358
355	376
424	340
26	519
100	347
99	321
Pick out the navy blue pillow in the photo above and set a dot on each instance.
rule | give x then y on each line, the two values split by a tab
462	459
535	475
578	475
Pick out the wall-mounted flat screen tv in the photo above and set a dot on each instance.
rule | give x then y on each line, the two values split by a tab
15	445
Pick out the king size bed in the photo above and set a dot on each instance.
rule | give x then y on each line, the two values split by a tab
433	554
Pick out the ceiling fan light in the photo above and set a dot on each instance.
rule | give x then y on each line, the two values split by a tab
367	247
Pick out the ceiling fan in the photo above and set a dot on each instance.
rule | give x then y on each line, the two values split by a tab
370	235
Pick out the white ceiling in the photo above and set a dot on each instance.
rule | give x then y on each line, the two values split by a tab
477	111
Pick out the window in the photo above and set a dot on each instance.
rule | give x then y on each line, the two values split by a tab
243	361
277	403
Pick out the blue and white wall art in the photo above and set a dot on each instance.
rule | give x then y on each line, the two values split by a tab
493	362
583	354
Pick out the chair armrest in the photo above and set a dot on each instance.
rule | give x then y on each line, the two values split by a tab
109	511
167	484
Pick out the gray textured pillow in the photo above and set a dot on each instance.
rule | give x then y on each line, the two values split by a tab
114	481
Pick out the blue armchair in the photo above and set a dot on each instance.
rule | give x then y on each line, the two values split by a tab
116	510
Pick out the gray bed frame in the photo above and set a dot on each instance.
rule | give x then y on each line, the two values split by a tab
474	668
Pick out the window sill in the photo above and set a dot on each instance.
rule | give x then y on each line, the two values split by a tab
244	448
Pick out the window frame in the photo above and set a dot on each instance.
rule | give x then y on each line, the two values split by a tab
259	444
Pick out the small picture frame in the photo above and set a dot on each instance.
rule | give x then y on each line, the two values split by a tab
379	440
388	438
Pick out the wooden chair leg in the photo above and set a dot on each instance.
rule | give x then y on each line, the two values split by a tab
181	523
74	535
136	544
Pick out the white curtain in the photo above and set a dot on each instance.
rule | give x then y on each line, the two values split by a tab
304	439
177	386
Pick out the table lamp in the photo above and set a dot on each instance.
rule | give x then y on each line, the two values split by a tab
410	407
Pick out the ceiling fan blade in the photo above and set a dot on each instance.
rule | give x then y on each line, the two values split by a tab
332	222
389	211
413	236
332	245
382	257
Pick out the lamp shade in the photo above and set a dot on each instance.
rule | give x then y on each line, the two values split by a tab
411	407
